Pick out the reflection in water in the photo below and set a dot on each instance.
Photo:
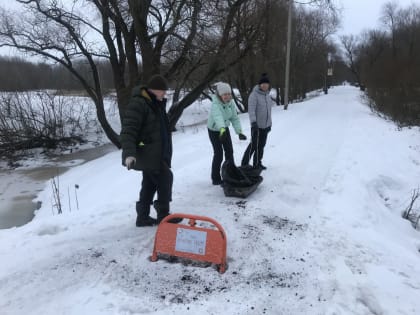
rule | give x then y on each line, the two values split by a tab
19	187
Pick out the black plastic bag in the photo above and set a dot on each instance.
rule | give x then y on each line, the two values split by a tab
239	181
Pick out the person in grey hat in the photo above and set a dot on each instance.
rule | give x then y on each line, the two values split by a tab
259	110
146	142
222	114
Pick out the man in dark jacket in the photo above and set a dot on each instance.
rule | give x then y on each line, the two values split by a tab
147	146
259	110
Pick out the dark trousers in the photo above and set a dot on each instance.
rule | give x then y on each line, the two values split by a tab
157	181
218	148
256	148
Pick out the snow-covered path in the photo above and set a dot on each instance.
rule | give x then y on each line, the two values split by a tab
321	235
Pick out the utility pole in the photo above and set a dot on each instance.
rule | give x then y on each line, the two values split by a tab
289	43
328	73
289	39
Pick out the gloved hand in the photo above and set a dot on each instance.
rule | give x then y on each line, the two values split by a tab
254	125
130	161
222	134
242	136
268	129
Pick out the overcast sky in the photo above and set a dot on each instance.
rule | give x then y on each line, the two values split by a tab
358	15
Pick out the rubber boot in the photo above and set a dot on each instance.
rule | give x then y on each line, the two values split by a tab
163	211
143	217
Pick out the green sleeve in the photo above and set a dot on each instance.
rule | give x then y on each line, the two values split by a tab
217	115
236	123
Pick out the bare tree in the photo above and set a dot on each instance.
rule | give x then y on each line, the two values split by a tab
390	67
389	19
351	50
137	38
33	33
310	48
220	50
39	119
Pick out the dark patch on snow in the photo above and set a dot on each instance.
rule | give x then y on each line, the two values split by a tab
283	223
251	232
241	204
161	284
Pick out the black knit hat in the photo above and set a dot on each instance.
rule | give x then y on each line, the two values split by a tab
157	82
264	79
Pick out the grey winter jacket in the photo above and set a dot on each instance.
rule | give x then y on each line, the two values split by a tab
259	107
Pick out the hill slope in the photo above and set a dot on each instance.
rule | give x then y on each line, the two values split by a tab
322	234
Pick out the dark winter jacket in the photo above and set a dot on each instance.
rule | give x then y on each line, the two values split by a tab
145	132
259	107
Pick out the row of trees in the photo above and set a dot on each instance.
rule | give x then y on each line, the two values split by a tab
23	75
387	63
311	46
191	42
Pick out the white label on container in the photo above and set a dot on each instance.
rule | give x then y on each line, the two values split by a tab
191	241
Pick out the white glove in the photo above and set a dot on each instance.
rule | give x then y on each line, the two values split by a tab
130	161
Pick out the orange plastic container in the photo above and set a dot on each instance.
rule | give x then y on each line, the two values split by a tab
190	241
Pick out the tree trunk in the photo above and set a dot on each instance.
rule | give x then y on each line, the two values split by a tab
110	133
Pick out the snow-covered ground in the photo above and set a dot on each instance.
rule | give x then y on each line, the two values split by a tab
323	234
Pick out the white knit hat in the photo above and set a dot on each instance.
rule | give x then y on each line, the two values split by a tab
223	88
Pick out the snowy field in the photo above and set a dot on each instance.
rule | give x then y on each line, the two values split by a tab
323	234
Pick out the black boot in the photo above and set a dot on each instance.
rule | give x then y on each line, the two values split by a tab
163	211
217	182
143	217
